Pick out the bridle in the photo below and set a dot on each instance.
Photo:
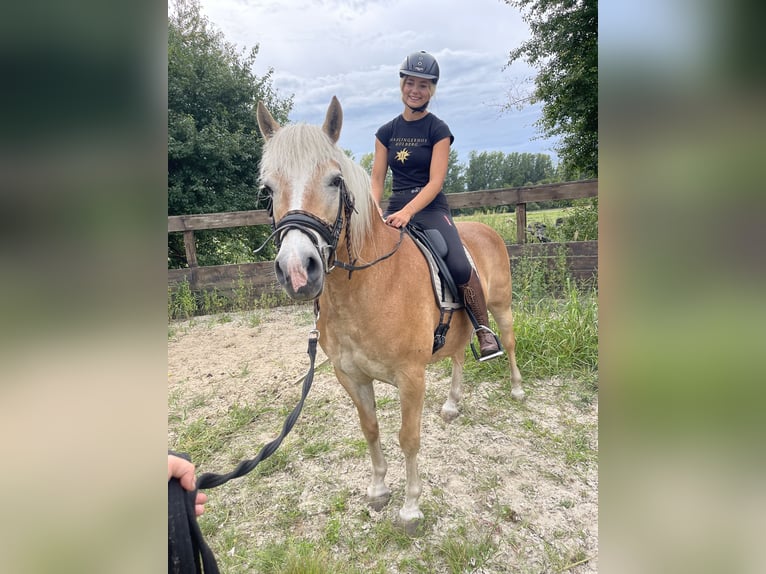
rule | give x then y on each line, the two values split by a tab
315	228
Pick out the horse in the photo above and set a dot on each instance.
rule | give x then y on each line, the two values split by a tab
374	299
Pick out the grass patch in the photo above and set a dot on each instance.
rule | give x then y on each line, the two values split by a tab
505	223
464	551
353	448
183	303
201	438
558	336
295	556
572	445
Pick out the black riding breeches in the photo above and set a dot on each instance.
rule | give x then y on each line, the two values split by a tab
441	220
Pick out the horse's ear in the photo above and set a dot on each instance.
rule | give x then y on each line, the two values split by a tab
334	120
266	122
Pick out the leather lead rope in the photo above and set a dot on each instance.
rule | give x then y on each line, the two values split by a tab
188	553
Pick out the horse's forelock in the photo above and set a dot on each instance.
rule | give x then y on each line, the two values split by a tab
295	148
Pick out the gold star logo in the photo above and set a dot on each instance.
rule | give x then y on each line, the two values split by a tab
402	155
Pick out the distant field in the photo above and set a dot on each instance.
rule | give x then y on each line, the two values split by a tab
505	223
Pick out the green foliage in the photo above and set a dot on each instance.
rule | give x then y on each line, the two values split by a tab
557	336
181	302
580	223
296	556
503	223
487	170
564	49
214	147
494	170
366	162
540	277
454	182
213	302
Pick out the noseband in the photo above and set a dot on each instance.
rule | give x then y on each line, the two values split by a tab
311	225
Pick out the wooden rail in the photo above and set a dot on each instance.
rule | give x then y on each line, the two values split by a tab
581	256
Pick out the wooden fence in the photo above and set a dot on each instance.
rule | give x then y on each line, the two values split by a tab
581	256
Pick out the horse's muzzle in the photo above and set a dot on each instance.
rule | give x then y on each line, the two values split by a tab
299	267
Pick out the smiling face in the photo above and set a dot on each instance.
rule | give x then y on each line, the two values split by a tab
416	92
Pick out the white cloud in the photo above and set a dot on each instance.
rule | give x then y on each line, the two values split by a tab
353	49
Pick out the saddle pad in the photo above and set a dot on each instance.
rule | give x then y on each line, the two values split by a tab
443	295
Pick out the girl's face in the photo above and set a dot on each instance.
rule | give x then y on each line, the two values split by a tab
416	91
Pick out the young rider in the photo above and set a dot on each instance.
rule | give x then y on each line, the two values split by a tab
415	145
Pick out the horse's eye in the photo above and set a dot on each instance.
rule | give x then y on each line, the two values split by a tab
265	190
337	181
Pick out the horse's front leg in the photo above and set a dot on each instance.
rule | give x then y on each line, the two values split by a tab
411	393
363	396
450	409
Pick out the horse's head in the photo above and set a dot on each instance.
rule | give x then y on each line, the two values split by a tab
302	170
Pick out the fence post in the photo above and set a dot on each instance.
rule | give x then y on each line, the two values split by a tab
521	223
191	249
191	256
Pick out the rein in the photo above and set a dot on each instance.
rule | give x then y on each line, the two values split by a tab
351	267
210	480
188	553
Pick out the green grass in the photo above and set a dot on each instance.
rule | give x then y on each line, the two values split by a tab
201	438
464	550
505	223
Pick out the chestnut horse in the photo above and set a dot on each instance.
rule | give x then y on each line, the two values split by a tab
376	307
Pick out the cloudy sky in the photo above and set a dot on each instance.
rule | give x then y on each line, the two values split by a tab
353	49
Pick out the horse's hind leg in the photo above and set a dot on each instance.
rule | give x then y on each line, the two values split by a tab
363	396
450	410
504	319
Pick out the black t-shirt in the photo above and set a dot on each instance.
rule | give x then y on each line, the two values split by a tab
410	145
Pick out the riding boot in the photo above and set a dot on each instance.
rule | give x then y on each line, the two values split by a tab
473	296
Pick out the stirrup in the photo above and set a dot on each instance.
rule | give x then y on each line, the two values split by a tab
477	355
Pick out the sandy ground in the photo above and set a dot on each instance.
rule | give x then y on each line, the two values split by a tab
503	468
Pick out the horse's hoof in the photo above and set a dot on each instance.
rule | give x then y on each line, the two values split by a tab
449	414
412	527
517	394
378	503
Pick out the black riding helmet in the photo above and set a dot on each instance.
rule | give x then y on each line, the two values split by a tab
421	65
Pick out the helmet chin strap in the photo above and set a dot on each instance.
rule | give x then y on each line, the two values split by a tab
419	109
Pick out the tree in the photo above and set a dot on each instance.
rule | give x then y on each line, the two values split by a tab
485	170
366	162
564	49
214	147
455	180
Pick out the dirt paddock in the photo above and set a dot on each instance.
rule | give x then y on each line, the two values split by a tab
517	481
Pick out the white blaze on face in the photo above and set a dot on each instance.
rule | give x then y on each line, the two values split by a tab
296	247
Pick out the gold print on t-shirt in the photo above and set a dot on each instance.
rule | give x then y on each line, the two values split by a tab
402	155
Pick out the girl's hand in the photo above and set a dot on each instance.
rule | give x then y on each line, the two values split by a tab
399	219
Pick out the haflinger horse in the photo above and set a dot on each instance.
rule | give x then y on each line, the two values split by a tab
377	311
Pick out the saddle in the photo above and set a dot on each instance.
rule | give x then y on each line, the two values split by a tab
434	248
